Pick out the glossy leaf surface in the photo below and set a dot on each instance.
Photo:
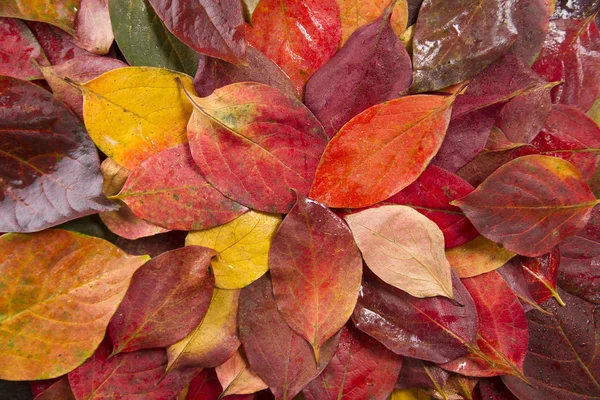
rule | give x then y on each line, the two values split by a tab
19	50
280	357
434	329
133	113
171	177
214	28
49	168
478	256
61	13
530	204
381	151
242	246
315	288
167	298
55	316
300	37
361	368
253	127
237	377
404	249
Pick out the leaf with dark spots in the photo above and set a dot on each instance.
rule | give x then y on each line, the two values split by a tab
571	54
531	18
316	270
58	45
562	361
503	332
214	28
166	299
579	271
361	368
20	51
372	67
61	13
421	374
280	357
541	274
455	40
435	329
572	136
268	141
128	375
172	178
213	73
49	167
530	204
431	195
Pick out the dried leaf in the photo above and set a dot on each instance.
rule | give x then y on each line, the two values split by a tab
477	257
237	377
21	51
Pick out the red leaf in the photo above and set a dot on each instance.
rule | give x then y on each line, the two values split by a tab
299	36
58	45
153	245
431	195
166	299
372	67
168	190
211	27
435	329
128	376
562	362
19	50
280	357
503	332
571	54
514	276
492	389
60	390
268	141
381	151
541	274
361	368
48	164
316	270
530	204
205	386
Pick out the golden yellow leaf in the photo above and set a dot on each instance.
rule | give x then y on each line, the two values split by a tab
243	247
214	340
133	113
477	257
354	14
409	394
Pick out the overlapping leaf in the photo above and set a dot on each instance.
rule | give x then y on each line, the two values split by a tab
237	377
541	274
58	45
355	14
478	256
94	28
59	13
531	18
20	50
421	374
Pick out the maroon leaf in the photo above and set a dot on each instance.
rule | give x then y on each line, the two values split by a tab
20	50
579	271
205	386
421	374
153	245
571	54
514	276
372	67
48	165
211	27
562	362
541	274
435	329
60	390
58	45
166	299
361	368
214	73
280	357
531	18
431	195
503	332
127	376
492	389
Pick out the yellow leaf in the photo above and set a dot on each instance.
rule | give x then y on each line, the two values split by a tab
477	257
243	246
133	113
409	394
354	14
214	340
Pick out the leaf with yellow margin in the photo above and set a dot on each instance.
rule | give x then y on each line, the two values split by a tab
477	257
409	394
133	113
61	13
243	246
60	290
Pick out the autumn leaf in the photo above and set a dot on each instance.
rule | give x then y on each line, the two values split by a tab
22	50
237	377
477	257
60	390
541	274
47	329
531	19
421	374
94	28
57	44
404	249
61	13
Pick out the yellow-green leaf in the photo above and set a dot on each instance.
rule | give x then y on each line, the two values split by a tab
477	257
61	13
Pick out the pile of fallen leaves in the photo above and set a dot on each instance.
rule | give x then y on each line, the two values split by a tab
349	199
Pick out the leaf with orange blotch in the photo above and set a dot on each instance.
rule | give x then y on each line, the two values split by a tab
237	377
55	315
381	151
503	333
354	14
280	357
361	368
541	274
168	190
477	257
298	36
136	375
254	143
166	299
403	248
21	50
316	270
61	13
530	204
214	340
